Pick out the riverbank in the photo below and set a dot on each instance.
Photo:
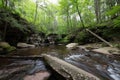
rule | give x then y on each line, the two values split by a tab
101	48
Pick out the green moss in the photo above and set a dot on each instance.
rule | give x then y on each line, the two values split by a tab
64	40
11	48
6	47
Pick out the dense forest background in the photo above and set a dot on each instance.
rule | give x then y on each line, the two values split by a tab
67	17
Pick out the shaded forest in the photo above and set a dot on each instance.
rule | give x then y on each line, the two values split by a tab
60	39
69	19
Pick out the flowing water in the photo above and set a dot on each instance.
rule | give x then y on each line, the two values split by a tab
103	66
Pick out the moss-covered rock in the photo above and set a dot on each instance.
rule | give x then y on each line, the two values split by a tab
5	47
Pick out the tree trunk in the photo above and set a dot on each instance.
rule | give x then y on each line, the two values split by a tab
97	10
36	11
82	22
6	3
68	24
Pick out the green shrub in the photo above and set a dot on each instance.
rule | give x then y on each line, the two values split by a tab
64	40
82	37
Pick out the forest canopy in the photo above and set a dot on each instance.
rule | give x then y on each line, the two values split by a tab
63	16
69	17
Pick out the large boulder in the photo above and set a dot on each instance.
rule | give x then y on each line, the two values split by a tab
72	45
25	45
5	47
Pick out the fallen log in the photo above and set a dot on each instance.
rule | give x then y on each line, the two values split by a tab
99	38
69	71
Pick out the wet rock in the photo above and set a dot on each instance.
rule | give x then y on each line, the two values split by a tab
52	38
5	73
36	39
5	47
38	66
72	45
107	50
25	45
83	48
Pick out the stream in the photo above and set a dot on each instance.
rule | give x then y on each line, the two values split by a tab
105	67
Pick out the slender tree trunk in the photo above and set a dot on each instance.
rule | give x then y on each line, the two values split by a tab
6	3
82	22
70	22
68	25
97	10
36	11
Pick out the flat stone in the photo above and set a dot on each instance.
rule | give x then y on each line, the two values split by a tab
25	45
4	45
107	50
72	45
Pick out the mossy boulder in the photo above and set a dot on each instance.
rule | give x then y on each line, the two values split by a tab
5	47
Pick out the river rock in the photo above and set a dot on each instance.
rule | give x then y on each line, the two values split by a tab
6	47
25	45
107	50
72	45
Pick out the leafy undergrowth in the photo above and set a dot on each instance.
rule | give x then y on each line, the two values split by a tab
108	33
13	28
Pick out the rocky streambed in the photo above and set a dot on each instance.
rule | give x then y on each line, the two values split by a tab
100	65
